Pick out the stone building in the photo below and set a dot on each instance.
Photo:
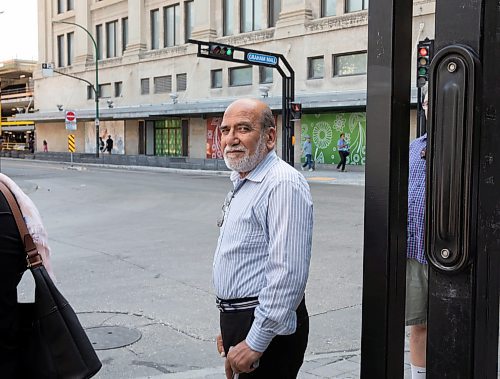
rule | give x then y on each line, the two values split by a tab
157	97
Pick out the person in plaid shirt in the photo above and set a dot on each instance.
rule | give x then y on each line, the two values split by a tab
416	264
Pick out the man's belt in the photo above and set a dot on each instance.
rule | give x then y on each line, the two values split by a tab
237	305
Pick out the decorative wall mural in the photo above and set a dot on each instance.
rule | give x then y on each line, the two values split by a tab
213	138
325	129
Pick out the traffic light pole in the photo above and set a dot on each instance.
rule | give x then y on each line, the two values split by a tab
96	87
213	50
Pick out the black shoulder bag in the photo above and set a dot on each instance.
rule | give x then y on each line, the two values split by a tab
53	342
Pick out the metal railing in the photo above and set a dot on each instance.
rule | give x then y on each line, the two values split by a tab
13	146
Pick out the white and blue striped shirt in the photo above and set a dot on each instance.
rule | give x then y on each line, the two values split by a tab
264	247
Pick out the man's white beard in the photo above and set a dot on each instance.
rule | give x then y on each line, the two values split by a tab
247	163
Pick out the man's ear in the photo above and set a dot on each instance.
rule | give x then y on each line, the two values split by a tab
271	138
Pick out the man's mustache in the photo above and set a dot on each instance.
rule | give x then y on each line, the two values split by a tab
232	149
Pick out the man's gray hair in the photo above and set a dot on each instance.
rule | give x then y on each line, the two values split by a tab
267	119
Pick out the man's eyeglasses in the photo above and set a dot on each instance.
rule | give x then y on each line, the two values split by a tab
225	208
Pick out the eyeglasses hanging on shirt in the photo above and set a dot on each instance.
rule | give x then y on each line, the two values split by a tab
225	208
227	202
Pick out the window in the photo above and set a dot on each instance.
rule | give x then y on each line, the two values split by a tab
69	41
118	89
228	17
349	64
274	11
168	137
70	5
171	25
124	33
145	86
265	74
111	39
155	29
60	6
98	38
189	19
356	5
315	67
216	78
105	90
240	76
181	80
163	84
251	15
328	8
60	51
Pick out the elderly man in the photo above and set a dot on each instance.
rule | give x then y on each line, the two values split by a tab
261	263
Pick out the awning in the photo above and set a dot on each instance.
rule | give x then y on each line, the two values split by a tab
23	128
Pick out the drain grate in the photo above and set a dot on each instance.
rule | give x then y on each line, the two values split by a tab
112	337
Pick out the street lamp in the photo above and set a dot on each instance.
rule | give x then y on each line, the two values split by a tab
96	88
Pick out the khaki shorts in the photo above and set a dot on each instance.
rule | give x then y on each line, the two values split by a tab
416	292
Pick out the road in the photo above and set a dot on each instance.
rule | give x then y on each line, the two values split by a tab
135	248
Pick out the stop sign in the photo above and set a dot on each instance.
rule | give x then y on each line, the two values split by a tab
70	116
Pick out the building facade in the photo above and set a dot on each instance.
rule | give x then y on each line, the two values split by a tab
156	97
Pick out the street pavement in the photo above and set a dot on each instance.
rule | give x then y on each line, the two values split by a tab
132	248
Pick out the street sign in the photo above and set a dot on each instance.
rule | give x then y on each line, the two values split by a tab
47	69
262	58
71	143
70	120
70	116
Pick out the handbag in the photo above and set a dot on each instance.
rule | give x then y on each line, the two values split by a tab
53	343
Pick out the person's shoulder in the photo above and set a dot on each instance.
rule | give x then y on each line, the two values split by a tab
282	171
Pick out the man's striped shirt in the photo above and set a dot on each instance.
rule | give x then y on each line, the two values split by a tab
264	247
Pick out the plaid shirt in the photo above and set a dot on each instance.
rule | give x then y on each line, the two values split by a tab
416	200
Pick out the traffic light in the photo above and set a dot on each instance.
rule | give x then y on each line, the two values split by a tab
424	55
296	111
221	51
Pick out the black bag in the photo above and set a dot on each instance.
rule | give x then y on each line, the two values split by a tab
53	343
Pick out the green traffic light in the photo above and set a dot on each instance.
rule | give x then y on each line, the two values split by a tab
229	51
422	71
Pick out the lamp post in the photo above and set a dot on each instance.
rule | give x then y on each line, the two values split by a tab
96	88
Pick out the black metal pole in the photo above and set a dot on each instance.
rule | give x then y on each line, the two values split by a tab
290	122
284	119
386	187
465	103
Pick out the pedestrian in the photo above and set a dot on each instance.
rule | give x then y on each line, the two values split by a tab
343	148
31	144
307	151
109	144
261	262
101	145
13	265
45	146
416	263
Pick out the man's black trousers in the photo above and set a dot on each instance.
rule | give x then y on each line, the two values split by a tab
285	354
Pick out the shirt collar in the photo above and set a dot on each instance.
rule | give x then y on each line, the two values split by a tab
259	172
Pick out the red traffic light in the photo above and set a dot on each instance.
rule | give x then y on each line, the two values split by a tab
295	111
423	51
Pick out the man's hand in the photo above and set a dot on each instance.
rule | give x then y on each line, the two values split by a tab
241	358
220	346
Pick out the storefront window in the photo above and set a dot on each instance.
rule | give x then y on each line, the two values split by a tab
168	138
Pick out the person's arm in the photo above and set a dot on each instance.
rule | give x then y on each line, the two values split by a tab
290	220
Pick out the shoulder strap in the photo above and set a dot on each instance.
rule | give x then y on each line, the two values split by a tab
33	258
